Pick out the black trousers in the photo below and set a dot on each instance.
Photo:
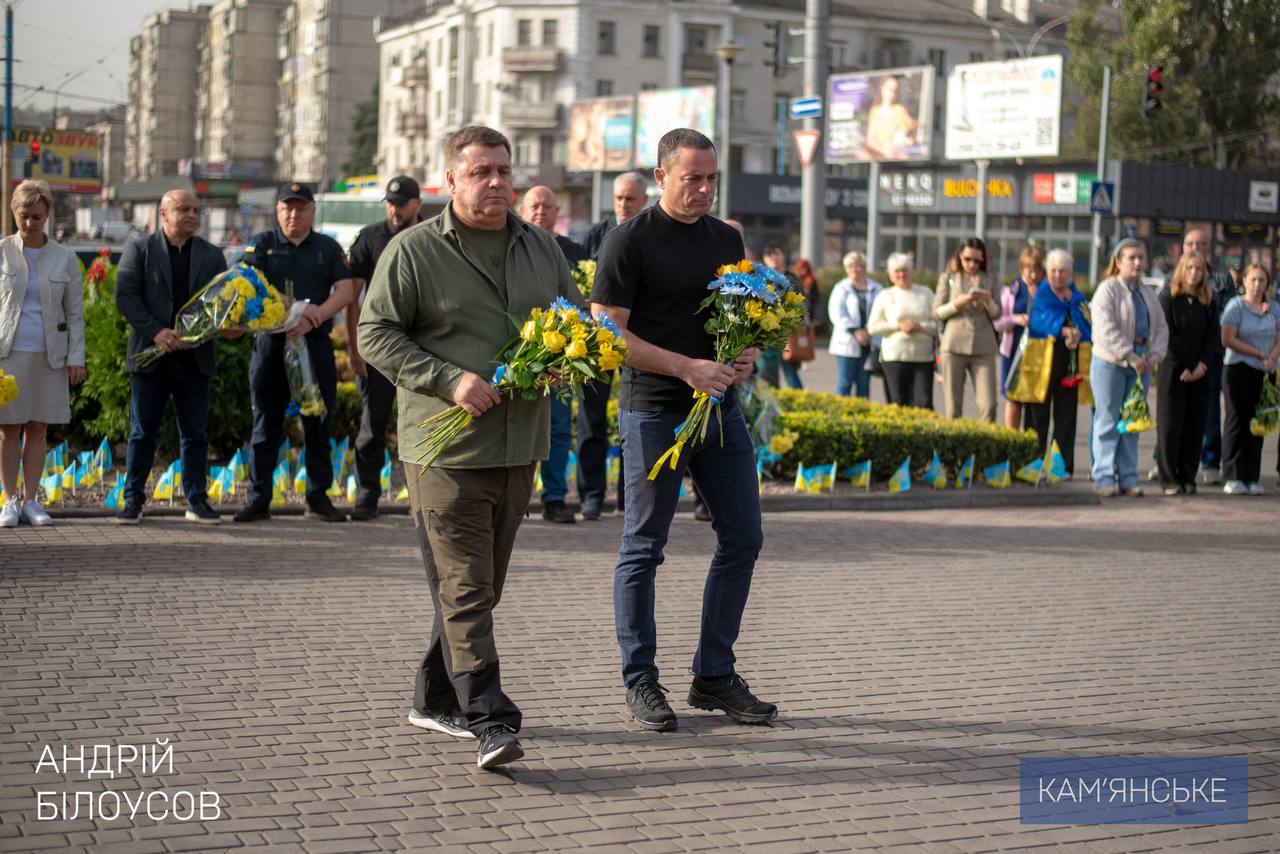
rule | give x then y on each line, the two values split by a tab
909	383
378	395
593	443
1241	450
1059	408
1181	412
269	388
178	377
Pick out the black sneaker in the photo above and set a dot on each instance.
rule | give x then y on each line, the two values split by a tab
253	513
450	723
364	511
498	746
131	513
201	513
325	511
701	512
730	694
592	506
556	511
649	706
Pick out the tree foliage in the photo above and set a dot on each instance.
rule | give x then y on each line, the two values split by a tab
1221	61
364	137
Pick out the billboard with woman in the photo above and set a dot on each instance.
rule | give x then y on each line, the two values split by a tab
883	115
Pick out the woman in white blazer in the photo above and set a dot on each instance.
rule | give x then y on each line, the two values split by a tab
848	307
41	344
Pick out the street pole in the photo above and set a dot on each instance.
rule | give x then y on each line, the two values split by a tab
980	219
727	52
873	215
813	178
5	167
1096	246
596	208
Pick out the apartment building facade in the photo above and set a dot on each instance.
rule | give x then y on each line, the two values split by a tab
160	121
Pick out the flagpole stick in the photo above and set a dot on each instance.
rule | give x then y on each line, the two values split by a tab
868	484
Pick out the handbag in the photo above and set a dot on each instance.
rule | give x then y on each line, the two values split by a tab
1029	372
800	345
874	366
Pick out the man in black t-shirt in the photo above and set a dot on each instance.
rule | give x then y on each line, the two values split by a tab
652	276
377	393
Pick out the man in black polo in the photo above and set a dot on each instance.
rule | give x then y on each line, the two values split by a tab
377	394
310	266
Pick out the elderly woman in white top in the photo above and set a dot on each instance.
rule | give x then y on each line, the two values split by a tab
1130	338
902	316
849	308
41	343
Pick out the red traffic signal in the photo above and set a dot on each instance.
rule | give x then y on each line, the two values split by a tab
35	149
1152	89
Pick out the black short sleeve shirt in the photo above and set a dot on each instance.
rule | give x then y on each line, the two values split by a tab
311	268
659	268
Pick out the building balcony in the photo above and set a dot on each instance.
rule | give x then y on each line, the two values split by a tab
548	60
699	64
415	76
531	116
411	124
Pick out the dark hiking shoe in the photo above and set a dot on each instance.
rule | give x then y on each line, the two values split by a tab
730	694
648	704
253	513
498	746
450	723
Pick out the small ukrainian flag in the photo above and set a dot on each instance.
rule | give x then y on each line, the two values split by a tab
900	480
936	474
859	474
351	488
1055	468
116	496
965	477
997	476
1031	472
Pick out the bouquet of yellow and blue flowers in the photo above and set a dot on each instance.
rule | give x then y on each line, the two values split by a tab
751	306
240	299
1135	415
558	350
584	276
1265	420
8	388
304	389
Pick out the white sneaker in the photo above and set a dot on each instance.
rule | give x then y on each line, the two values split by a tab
1235	487
33	514
11	514
1255	488
1153	473
1211	476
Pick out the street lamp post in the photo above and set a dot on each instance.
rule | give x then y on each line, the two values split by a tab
727	52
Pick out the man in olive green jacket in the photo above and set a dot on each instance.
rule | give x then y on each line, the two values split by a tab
437	312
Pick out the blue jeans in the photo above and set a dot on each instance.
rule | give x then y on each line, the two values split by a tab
1115	455
791	371
175	376
554	479
726	478
852	376
1211	447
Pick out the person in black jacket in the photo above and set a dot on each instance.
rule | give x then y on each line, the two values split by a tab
1182	384
158	274
629	197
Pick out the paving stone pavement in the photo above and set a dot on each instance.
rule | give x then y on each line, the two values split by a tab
915	656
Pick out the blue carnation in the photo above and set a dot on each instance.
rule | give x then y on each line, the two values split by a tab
294	408
253	308
499	373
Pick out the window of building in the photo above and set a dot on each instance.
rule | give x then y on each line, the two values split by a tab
697	41
604	87
938	59
648	87
489	39
525	149
838	55
546	149
607	38
524	32
547	90
892	52
652	40
976	56
737	104
550	28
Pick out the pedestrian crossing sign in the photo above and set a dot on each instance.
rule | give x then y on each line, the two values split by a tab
1102	197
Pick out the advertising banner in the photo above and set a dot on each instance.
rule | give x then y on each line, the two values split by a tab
1004	109
884	115
68	159
661	110
600	134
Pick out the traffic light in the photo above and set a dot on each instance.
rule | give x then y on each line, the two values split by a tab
777	61
35	149
1152	89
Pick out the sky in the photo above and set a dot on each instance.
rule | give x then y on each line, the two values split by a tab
82	45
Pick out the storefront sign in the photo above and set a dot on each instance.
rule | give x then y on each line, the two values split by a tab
908	189
68	160
1061	188
967	188
1264	196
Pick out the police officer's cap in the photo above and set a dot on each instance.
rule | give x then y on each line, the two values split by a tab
401	189
294	190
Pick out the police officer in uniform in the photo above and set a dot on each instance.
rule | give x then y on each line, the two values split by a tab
309	266
377	393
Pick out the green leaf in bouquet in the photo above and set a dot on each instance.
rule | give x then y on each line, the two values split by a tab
584	368
537	367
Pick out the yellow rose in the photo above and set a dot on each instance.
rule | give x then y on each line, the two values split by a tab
754	309
553	341
603	337
530	331
768	321
794	297
745	266
576	349
609	359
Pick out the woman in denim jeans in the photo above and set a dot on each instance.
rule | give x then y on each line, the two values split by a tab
849	309
1130	337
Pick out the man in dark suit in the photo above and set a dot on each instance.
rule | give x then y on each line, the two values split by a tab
158	274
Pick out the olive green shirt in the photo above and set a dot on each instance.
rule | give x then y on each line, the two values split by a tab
434	311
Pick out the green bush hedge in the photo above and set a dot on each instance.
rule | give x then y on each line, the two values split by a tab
848	430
